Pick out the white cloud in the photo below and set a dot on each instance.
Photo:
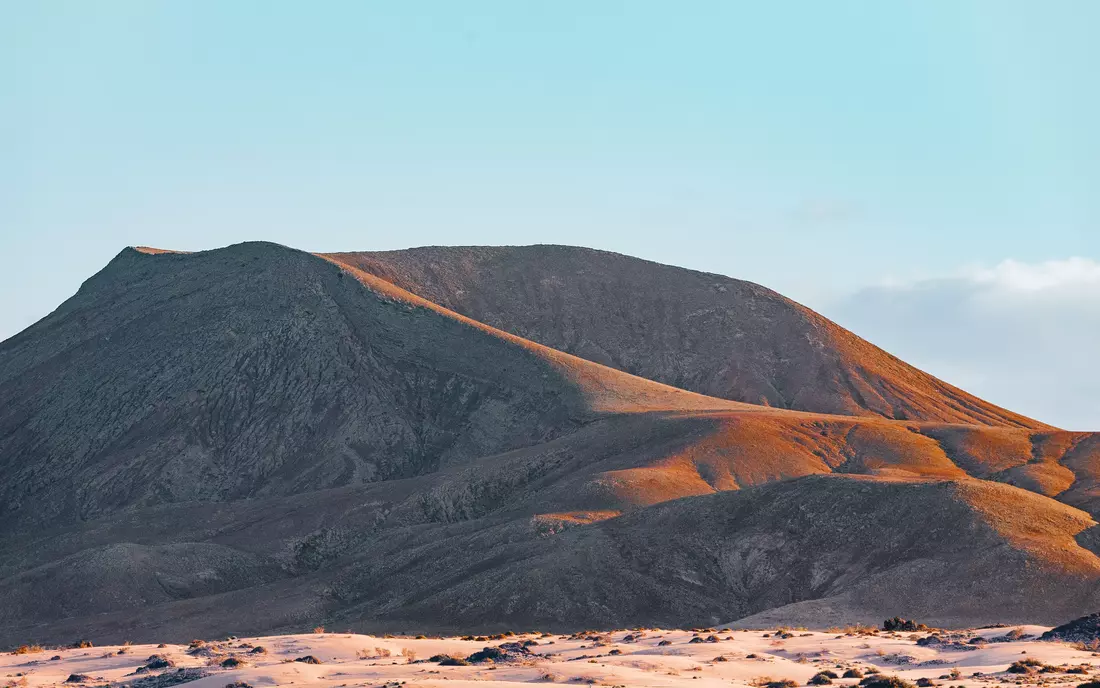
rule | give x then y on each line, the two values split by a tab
1070	277
1022	335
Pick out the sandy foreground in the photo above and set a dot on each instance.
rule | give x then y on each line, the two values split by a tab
650	658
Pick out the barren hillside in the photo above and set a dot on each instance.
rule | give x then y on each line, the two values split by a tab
704	332
258	439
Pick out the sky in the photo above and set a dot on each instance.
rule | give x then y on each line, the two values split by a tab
902	167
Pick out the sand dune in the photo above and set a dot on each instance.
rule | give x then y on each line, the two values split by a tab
650	657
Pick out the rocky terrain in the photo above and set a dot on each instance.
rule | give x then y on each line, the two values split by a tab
258	440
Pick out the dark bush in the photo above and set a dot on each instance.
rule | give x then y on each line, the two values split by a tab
485	654
820	679
1026	665
158	662
853	673
880	681
899	624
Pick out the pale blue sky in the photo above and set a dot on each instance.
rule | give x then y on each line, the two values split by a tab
816	147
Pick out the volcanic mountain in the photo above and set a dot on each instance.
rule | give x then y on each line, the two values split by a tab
257	439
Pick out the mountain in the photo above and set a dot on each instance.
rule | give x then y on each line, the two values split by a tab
260	370
257	439
703	332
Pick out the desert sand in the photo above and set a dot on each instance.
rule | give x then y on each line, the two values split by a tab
668	658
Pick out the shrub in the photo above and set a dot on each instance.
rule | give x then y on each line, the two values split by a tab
485	654
853	673
319	629
899	624
1089	684
821	679
923	682
880	681
1024	666
26	649
158	662
409	654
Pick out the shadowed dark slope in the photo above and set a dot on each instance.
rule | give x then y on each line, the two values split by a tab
708	333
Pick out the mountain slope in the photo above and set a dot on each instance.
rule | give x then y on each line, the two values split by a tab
703	332
257	370
258	439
